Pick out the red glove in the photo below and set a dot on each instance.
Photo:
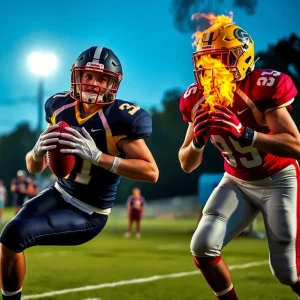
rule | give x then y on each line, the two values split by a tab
225	120
201	128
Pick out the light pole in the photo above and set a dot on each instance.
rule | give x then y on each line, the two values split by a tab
41	64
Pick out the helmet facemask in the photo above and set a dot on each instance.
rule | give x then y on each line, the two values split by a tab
230	58
96	95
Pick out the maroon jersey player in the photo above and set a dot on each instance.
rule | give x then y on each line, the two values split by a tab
260	144
135	209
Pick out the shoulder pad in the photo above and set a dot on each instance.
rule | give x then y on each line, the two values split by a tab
190	100
269	89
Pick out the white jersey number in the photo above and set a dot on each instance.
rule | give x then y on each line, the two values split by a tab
131	108
84	176
221	144
267	81
192	89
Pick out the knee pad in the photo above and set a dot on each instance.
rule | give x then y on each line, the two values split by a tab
285	278
204	262
12	235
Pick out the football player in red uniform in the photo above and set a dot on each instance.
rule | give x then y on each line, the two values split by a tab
260	144
135	209
107	136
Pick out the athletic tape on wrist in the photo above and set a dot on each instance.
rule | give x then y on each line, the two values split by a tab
115	165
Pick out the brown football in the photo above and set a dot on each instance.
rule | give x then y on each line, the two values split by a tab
61	164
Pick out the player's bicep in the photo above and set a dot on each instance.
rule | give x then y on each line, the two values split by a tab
136	149
280	121
188	136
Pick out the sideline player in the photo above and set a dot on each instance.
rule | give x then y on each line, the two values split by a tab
135	209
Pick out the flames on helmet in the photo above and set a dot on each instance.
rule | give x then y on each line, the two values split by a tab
217	81
214	21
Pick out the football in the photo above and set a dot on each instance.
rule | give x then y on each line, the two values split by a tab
61	164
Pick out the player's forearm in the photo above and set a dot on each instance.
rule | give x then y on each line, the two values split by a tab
189	158
33	166
283	144
135	169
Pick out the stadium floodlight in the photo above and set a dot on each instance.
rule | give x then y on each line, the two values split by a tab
42	64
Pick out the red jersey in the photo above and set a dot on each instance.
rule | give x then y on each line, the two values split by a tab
260	92
136	203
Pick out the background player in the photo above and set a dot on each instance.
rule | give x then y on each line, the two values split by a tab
245	113
20	187
107	136
135	209
3	199
33	188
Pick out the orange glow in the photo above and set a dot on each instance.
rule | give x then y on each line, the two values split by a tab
216	81
215	21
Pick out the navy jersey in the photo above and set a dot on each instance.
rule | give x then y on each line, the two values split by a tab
21	185
119	120
21	188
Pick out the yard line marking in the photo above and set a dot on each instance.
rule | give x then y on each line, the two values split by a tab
52	253
177	246
133	281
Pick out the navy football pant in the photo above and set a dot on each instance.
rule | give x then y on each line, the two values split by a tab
48	219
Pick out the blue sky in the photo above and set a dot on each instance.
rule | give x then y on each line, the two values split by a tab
156	57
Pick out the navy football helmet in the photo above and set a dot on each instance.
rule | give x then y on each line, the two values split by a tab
96	59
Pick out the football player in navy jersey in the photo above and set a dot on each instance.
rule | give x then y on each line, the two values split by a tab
20	187
107	136
260	144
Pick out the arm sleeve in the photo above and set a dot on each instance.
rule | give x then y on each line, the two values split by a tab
141	126
184	109
48	111
280	94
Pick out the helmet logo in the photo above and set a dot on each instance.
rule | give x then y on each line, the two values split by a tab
242	36
95	65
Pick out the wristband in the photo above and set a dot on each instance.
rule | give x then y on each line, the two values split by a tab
249	137
115	165
196	147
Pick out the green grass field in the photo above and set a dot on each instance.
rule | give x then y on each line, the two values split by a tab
65	272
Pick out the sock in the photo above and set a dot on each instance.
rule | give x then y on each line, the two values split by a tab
12	295
228	294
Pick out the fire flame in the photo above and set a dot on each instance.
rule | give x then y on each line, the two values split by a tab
217	83
215	21
215	78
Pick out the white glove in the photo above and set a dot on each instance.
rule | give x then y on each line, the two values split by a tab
84	146
44	141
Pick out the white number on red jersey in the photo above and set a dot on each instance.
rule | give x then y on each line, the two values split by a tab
192	89
221	144
267	81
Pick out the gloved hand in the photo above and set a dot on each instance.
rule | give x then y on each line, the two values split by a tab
225	120
201	128
83	145
45	143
